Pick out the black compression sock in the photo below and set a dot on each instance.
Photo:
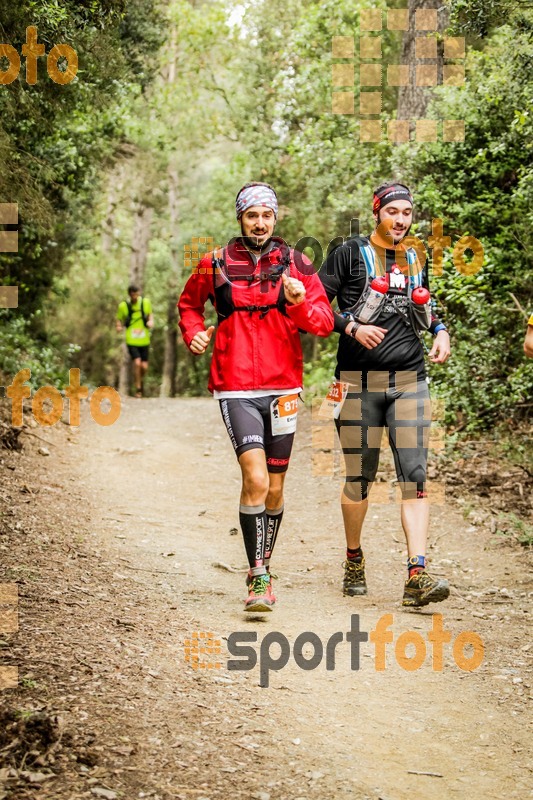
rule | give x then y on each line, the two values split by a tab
253	525
273	521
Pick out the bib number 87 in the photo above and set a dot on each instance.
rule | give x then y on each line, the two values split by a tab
289	406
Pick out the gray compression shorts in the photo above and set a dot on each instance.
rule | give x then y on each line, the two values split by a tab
407	415
248	424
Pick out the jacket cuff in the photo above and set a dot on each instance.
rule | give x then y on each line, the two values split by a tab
189	335
302	309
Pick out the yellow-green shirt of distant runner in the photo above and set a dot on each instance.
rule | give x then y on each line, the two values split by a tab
137	334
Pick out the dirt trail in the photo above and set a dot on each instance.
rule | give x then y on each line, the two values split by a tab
160	490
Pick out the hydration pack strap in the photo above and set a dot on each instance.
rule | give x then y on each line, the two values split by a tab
218	266
263	309
374	267
129	305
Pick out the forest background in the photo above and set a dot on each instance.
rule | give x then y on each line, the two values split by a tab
175	105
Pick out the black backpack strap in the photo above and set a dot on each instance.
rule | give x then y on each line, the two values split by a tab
221	304
217	263
284	266
127	321
143	315
263	309
224	303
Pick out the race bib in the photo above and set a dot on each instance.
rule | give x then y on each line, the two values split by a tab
137	333
283	414
332	403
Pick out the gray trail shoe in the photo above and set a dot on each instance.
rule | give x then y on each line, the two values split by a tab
354	582
422	589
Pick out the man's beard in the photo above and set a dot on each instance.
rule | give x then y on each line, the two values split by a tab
391	235
252	244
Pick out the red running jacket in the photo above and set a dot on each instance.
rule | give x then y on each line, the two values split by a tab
254	350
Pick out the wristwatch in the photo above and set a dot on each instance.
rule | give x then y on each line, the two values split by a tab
354	330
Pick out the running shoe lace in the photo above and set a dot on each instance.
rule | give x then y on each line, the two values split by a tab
259	584
354	569
424	580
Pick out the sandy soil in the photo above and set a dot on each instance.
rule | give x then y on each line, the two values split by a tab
119	543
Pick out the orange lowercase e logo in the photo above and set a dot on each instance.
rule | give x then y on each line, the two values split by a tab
202	644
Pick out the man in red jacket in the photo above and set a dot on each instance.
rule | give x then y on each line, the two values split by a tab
263	293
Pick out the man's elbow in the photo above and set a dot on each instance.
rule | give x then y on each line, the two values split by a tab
325	332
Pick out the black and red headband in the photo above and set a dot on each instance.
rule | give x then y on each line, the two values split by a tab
395	192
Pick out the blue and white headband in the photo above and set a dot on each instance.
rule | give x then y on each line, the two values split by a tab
256	195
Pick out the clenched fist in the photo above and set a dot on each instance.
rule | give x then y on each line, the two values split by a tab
294	290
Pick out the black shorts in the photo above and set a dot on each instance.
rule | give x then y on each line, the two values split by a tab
407	415
249	426
138	352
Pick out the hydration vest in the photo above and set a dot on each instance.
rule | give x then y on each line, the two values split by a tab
222	286
415	318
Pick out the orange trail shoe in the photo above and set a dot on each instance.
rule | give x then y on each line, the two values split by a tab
260	597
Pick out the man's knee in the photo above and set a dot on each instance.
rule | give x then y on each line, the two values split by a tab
356	489
255	481
414	488
275	497
417	474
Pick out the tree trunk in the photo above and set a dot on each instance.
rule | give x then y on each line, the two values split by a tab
114	193
124	378
168	381
413	100
170	361
141	238
107	227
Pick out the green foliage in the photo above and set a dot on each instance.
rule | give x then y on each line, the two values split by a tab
479	17
231	97
480	187
319	373
49	363
55	138
512	443
93	292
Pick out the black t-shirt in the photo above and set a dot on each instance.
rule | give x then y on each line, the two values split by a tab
343	275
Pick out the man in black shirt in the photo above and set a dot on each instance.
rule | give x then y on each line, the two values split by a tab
382	380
